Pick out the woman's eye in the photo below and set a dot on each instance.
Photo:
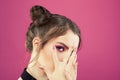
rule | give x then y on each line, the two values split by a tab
60	48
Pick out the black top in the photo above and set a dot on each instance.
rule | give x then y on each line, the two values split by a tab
26	76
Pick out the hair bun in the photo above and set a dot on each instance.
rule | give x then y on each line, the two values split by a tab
39	14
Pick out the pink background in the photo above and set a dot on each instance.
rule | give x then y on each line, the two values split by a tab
99	21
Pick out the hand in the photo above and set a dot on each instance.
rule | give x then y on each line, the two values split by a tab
71	67
65	70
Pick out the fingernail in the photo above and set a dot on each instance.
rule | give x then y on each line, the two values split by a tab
74	54
75	50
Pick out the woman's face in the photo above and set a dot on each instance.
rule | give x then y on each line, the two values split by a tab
64	45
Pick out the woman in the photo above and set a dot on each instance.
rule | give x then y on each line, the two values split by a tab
53	41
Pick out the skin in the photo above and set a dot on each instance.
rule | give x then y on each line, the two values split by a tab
56	60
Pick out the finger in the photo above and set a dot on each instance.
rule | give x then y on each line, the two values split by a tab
67	75
75	59
72	58
67	57
76	65
55	57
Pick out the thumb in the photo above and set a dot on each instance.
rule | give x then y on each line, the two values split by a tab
46	70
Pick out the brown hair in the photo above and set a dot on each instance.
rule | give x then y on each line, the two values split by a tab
48	26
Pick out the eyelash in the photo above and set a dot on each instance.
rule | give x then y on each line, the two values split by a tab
60	48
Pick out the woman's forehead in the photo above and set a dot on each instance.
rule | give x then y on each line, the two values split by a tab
70	39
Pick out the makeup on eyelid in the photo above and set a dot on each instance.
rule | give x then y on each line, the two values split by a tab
60	48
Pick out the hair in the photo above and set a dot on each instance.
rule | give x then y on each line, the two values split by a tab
47	26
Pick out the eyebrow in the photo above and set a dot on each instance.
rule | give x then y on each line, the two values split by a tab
63	44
